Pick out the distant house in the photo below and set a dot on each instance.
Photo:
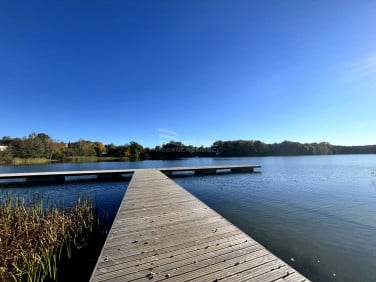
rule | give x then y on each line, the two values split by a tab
3	148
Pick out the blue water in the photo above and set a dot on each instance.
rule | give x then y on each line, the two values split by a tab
318	213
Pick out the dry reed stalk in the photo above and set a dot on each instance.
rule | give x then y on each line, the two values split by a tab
33	238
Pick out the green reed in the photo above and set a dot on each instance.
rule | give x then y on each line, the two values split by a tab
33	237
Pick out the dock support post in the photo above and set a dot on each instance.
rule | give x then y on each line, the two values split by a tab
242	169
109	176
46	179
205	171
168	173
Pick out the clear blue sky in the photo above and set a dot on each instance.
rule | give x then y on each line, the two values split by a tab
197	71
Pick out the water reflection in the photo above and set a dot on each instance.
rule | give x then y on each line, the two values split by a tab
319	211
316	214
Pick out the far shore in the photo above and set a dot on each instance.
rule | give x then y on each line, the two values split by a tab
32	161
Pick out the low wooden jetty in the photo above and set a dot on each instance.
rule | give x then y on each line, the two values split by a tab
61	176
209	169
162	232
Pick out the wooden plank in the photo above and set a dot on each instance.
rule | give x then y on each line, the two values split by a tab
124	255
292	277
183	250
163	232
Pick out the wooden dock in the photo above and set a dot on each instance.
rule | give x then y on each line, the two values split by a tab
209	169
162	232
61	176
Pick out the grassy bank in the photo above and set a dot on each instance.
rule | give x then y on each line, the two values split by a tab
77	159
23	161
34	237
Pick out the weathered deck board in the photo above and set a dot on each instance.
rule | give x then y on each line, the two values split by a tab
163	232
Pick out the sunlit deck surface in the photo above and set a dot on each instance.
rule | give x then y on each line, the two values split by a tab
162	232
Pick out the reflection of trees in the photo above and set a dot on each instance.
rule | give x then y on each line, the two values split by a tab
373	178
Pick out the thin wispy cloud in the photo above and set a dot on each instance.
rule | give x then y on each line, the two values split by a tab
166	135
365	67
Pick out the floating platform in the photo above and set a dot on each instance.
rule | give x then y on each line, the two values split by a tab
119	174
199	170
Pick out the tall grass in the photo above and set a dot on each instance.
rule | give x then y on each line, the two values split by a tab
33	237
74	159
83	159
23	161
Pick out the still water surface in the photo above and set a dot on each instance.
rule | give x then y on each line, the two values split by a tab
318	213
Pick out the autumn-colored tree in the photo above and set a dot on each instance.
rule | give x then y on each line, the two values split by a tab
60	151
99	148
82	148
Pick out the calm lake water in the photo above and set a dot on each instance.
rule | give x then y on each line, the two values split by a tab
318	213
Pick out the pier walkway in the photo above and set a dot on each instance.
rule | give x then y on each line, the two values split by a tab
162	232
115	174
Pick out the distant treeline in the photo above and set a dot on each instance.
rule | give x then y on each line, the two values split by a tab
40	145
287	148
